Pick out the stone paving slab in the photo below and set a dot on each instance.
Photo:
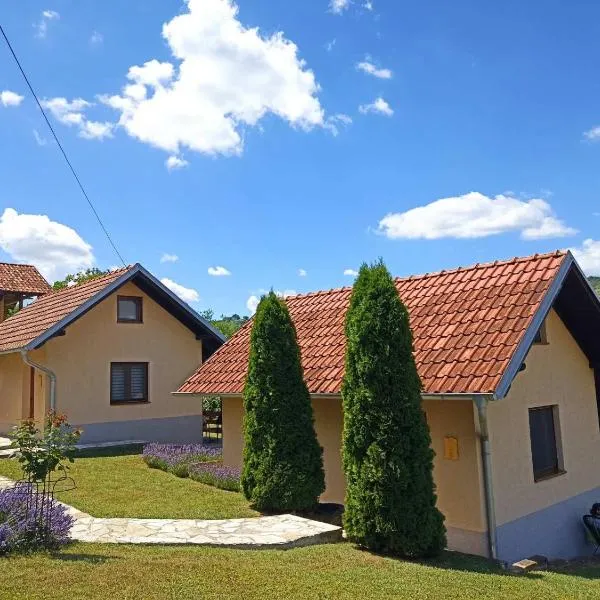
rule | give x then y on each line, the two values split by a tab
278	531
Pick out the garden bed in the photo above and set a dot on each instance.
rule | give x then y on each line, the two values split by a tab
197	461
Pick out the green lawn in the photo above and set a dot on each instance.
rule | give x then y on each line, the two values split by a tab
339	571
124	486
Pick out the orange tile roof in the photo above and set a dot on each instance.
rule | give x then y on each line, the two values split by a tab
466	324
22	278
33	320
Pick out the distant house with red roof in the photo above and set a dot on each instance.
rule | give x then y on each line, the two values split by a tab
107	352
18	284
509	357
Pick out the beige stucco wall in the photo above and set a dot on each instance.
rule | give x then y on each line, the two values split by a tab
459	482
233	436
460	494
81	360
556	374
12	390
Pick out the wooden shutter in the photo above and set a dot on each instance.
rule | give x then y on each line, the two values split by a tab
543	441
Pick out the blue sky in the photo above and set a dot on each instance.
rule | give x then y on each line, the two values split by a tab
432	134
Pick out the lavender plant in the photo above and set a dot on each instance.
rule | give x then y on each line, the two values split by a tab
21	529
176	458
217	475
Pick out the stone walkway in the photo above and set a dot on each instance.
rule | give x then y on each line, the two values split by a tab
280	531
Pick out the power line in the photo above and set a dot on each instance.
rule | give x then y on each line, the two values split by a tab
114	247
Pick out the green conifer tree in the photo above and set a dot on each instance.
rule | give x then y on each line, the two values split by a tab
283	462
387	456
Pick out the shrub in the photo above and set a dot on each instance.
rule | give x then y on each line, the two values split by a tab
41	452
225	478
176	458
25	526
388	461
283	464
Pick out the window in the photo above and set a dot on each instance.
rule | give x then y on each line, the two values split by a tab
128	383
129	309
543	425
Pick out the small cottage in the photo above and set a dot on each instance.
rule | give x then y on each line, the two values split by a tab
509	356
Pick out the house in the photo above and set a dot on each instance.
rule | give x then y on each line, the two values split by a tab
107	353
509	357
18	284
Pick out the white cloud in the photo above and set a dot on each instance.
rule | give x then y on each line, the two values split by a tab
176	162
368	5
335	122
169	258
350	272
302	273
40	140
96	38
588	256
71	113
329	46
366	66
252	304
41	27
474	215
94	130
186	294
8	98
55	249
339	6
218	271
379	106
592	134
224	77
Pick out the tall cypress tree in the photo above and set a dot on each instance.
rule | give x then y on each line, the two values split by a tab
283	462
387	456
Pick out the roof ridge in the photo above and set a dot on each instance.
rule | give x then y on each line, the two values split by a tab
13	264
78	286
486	265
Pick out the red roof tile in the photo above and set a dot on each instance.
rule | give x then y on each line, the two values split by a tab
33	320
22	278
466	324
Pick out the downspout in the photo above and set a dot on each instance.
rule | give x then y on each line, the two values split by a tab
486	457
49	372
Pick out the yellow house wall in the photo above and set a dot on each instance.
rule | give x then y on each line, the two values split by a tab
556	374
81	360
458	482
12	390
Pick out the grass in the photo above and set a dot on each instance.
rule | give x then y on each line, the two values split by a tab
339	571
115	483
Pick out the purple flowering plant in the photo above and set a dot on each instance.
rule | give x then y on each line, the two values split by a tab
176	458
31	521
217	475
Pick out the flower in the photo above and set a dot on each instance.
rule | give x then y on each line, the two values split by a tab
227	478
28	523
